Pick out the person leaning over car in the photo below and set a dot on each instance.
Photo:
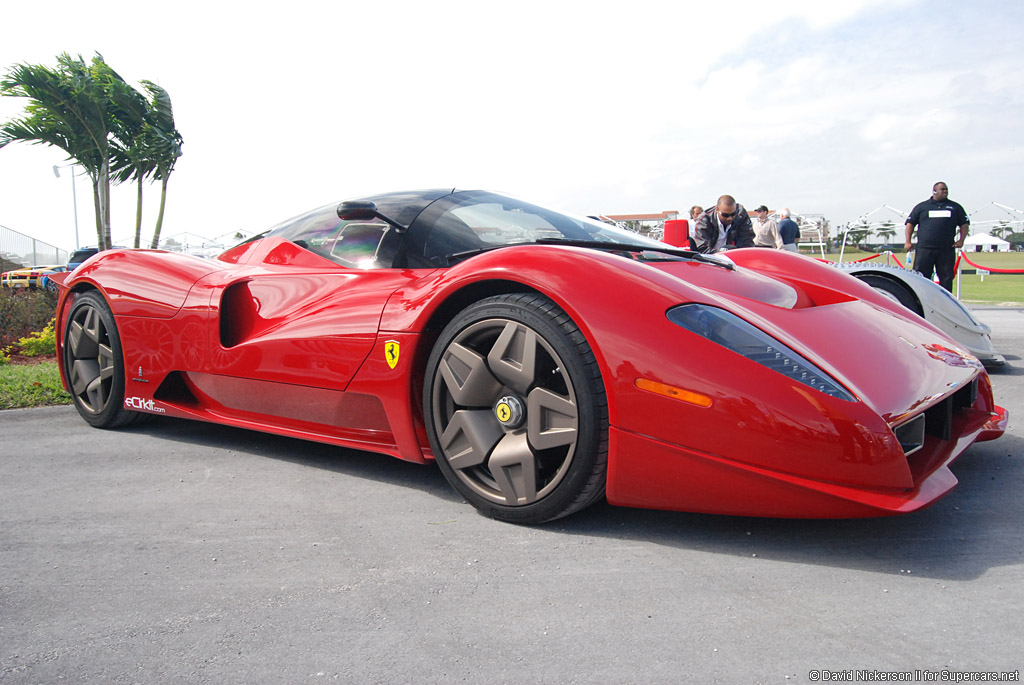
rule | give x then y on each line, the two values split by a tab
937	219
723	226
766	231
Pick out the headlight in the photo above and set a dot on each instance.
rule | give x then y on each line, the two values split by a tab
733	333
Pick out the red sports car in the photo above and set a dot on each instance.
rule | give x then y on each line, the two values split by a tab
544	361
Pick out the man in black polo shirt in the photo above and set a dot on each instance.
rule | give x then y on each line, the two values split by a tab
937	220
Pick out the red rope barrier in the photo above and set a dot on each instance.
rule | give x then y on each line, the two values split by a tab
858	261
991	269
897	260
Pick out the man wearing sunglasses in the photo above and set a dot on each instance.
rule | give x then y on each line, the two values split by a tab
724	226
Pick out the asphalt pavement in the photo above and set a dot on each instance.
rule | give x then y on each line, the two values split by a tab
182	552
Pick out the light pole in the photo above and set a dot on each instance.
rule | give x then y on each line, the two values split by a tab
74	195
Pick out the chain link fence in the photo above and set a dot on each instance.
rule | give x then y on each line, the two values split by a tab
18	250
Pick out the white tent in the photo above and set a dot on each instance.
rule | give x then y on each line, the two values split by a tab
983	242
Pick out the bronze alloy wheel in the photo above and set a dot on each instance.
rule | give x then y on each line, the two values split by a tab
516	410
93	363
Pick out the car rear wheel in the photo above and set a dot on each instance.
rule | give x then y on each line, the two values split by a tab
893	290
516	410
94	365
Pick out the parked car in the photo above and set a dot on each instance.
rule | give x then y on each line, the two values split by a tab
928	299
544	361
30	276
83	253
46	283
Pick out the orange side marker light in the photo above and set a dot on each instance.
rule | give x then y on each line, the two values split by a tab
688	396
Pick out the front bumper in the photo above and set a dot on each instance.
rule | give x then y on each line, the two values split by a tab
649	473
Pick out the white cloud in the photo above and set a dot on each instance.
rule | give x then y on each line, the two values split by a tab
593	106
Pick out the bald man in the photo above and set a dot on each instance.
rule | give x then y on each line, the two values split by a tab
724	226
937	220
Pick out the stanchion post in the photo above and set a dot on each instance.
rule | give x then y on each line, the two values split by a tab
958	277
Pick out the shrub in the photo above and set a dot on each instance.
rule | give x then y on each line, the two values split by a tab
39	343
23	311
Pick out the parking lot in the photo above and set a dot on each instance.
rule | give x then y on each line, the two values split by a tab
187	552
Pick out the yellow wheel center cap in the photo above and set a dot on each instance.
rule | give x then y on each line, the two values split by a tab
509	411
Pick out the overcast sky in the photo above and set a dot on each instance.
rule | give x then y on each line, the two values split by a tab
592	107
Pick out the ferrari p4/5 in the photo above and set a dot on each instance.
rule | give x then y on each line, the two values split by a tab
542	360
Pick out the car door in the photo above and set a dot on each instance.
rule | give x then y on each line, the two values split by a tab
293	317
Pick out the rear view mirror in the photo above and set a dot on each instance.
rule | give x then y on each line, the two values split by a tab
363	210
357	210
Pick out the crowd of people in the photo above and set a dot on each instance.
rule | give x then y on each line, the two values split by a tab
728	225
936	221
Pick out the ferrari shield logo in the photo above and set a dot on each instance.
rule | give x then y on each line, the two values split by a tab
391	352
503	411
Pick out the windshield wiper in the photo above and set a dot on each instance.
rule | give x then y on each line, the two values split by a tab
598	245
629	247
459	256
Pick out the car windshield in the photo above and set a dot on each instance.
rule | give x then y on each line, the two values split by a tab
475	220
440	226
81	255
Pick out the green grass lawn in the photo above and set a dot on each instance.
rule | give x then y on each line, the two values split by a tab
31	385
1004	289
998	289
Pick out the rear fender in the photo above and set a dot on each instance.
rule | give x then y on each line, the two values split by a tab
147	283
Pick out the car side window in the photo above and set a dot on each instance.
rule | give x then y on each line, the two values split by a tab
353	244
358	245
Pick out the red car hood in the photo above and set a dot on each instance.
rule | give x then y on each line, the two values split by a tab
912	364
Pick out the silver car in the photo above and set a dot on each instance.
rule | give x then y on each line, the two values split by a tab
931	301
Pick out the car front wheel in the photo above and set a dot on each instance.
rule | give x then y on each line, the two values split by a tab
516	410
94	365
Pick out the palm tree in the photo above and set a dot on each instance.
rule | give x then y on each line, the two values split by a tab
68	108
130	154
857	232
887	231
163	142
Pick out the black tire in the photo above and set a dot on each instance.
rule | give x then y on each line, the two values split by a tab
516	410
894	290
94	364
